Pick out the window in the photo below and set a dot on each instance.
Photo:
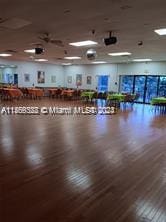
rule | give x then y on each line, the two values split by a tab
162	86
127	84
146	86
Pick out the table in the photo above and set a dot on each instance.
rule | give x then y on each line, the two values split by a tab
36	92
87	94
52	92
67	92
14	93
118	97
159	104
158	101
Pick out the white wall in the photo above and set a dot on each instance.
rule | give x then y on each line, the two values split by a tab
94	71
150	68
112	70
61	72
32	68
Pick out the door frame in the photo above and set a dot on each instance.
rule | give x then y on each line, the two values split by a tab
145	86
98	76
144	94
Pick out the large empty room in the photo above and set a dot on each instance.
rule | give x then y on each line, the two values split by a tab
83	111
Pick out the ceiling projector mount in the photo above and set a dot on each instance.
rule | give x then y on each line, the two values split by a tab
110	40
39	50
38	47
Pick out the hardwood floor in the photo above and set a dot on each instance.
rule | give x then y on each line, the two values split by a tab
83	168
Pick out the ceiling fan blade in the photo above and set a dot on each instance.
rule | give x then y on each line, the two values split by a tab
45	39
11	51
40	38
57	42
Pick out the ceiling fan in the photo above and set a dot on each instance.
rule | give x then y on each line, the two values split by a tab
46	37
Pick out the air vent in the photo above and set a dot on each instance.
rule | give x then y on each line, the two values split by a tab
14	23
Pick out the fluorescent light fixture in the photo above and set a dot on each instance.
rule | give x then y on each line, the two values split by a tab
72	57
142	60
30	50
98	62
66	64
41	60
5	54
83	43
161	31
120	54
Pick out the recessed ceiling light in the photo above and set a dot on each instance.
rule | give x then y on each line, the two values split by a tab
161	31
119	54
72	57
98	62
66	64
30	50
41	60
5	54
83	43
142	60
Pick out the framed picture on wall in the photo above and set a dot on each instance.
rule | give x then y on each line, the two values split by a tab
69	79
41	77
26	77
78	79
89	80
53	79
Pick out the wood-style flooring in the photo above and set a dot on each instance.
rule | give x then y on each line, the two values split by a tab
83	168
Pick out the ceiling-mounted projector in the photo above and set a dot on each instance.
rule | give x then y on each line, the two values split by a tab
110	40
39	50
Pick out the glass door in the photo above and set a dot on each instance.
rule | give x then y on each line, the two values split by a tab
162	86
151	88
126	85
103	84
15	78
146	87
139	88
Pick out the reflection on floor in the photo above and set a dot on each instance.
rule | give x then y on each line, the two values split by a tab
94	168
